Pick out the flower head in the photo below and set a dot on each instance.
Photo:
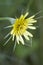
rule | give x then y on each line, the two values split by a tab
20	26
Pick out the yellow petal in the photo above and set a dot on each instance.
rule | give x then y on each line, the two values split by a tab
21	40
31	27
30	24
26	15
28	33
32	16
26	37
17	39
12	31
31	20
13	37
21	17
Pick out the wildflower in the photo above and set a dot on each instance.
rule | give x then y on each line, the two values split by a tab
19	28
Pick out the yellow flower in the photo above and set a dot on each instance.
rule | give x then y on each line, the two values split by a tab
19	28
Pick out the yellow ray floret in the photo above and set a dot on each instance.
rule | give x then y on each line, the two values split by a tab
19	28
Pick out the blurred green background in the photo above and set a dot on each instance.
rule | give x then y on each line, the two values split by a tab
23	55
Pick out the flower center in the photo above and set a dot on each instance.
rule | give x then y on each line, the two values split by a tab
20	26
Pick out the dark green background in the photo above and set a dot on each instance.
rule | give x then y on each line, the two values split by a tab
23	55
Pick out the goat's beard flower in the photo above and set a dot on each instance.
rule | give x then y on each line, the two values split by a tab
19	28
